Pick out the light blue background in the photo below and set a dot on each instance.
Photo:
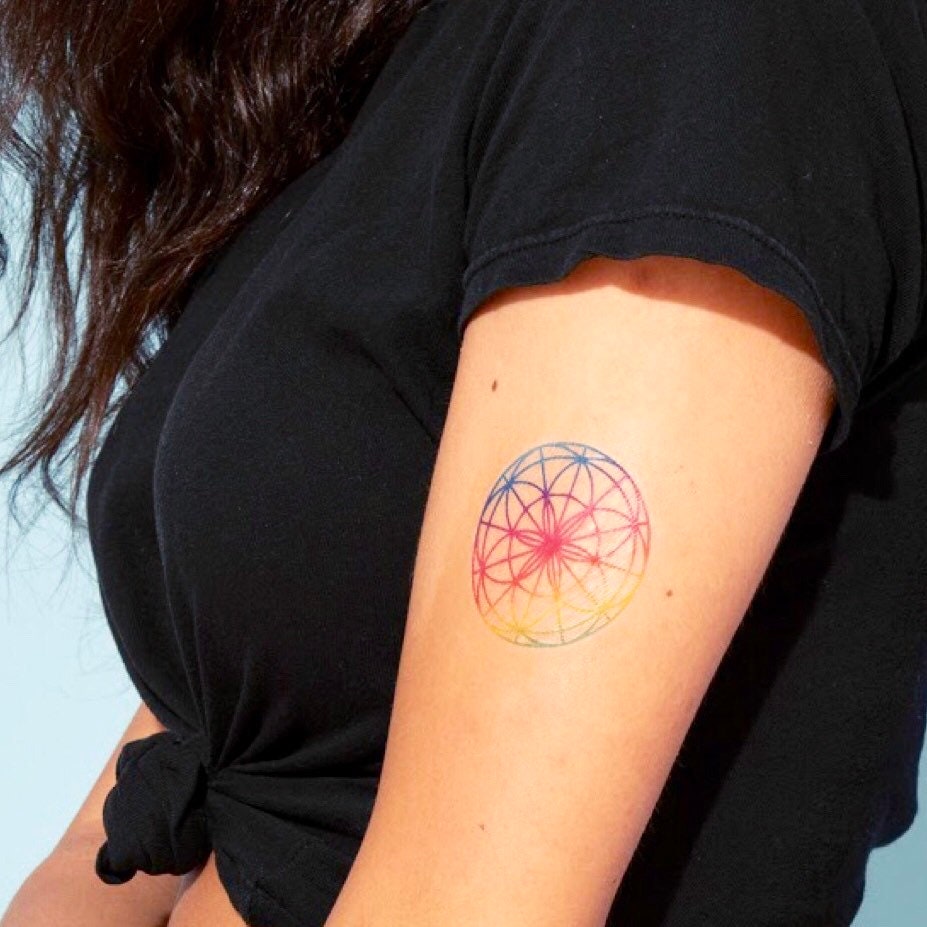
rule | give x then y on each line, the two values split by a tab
67	700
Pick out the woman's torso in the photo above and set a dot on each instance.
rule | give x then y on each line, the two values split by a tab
256	508
201	899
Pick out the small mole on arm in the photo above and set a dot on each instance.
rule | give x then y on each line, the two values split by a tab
482	826
669	592
494	385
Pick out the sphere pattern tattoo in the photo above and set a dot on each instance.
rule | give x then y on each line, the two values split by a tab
561	545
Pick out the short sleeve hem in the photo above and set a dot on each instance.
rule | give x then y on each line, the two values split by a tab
685	232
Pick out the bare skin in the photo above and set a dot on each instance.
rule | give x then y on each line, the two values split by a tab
202	899
726	330
727	335
64	889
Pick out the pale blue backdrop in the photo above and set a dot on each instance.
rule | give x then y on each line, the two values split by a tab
66	697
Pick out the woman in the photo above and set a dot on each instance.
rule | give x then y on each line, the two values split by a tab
573	351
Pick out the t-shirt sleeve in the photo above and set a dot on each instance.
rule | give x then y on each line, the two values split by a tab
766	135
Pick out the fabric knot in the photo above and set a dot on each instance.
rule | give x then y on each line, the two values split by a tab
154	816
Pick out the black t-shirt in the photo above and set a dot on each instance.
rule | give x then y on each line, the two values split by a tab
255	508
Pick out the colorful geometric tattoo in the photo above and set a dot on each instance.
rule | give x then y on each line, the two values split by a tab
561	545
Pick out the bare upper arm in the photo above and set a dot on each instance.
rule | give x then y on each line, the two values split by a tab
622	451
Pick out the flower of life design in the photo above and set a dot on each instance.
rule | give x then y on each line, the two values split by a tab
561	545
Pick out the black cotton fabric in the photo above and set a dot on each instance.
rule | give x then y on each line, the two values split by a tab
254	509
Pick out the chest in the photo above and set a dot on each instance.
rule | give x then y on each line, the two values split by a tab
259	498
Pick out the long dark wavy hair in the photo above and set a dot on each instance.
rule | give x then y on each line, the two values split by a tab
153	129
